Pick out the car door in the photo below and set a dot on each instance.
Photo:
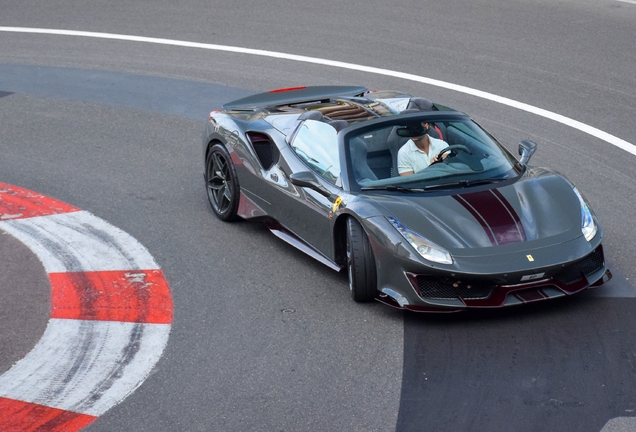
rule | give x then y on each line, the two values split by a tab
304	211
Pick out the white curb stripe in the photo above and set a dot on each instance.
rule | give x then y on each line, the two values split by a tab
79	241
602	135
86	366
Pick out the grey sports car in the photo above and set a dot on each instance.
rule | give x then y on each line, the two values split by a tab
476	228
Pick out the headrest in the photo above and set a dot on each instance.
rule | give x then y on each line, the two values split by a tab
311	115
417	104
338	124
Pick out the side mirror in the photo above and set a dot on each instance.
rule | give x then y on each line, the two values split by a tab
526	150
307	179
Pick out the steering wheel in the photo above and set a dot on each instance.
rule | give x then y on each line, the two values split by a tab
453	149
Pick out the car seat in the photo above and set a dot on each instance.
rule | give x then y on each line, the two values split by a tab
361	170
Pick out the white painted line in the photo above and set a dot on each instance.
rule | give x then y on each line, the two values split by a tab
86	367
79	242
611	139
628	1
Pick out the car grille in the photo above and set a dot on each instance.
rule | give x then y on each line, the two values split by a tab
585	266
433	288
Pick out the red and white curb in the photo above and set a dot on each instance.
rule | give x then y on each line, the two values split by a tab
111	313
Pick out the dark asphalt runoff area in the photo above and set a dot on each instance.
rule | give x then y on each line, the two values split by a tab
25	296
265	338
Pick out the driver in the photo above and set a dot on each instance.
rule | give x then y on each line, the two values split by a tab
420	151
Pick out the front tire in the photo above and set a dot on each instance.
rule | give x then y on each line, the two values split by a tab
360	263
222	183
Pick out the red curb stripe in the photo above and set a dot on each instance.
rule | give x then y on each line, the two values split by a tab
18	203
140	296
26	417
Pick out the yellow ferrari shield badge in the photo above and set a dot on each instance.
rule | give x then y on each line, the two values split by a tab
336	204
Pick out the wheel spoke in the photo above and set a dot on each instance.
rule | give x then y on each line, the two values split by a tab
219	192
215	187
227	193
219	167
220	195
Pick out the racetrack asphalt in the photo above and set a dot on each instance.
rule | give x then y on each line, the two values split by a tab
236	360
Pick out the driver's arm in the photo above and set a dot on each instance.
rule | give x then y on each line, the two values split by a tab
444	156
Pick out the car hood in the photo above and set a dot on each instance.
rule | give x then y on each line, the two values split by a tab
538	210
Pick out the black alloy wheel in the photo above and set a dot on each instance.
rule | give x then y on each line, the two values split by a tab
222	183
360	263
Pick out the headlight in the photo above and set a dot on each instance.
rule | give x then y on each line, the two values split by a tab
588	227
425	248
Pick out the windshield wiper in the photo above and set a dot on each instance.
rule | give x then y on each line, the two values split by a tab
392	188
462	183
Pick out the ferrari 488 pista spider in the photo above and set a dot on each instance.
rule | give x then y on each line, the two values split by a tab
476	228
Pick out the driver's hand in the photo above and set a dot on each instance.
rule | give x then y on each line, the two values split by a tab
438	159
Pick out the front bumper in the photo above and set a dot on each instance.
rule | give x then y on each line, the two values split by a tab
450	293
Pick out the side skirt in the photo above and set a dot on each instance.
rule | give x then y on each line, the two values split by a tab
284	234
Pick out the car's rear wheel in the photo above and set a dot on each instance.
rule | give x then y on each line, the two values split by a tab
360	263
222	183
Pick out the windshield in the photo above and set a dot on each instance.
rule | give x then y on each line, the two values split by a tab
403	155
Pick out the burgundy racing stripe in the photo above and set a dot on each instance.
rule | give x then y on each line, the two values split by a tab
511	211
495	214
460	199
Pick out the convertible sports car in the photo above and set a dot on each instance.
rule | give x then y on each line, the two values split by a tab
478	228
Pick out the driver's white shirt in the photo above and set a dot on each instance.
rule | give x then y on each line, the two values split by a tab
411	158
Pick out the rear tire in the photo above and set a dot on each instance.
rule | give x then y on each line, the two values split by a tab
222	183
360	263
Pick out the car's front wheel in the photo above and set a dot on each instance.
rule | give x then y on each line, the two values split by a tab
222	183
360	263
